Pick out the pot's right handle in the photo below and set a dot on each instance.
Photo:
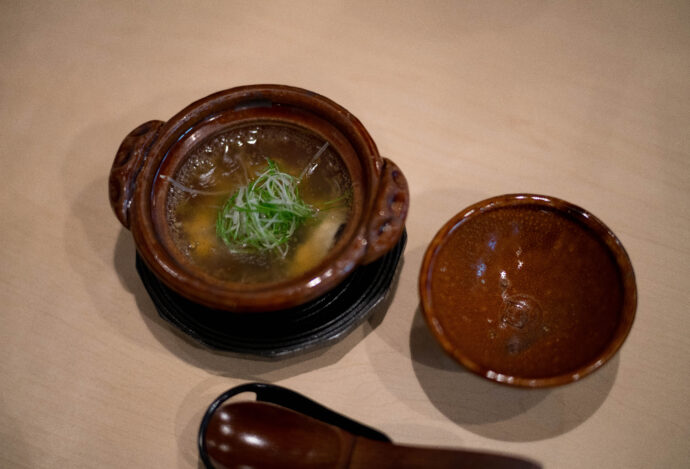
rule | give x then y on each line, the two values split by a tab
128	162
388	214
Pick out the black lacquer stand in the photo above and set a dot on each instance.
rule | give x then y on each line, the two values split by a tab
279	333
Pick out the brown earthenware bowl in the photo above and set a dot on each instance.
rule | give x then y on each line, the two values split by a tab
138	188
528	290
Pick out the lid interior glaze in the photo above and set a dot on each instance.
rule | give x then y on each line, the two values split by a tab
528	290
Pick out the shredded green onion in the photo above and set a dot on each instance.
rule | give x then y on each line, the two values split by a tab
263	215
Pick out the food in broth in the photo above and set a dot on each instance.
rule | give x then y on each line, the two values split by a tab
259	203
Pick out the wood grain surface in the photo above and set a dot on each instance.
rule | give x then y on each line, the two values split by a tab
585	101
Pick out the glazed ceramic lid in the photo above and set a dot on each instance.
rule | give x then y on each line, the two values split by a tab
528	290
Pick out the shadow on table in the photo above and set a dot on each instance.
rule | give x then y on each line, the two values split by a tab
93	259
501	412
228	363
15	439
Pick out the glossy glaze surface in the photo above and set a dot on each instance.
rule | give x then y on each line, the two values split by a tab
528	290
261	435
151	155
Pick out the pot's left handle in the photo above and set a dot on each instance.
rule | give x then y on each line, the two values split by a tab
128	162
388	215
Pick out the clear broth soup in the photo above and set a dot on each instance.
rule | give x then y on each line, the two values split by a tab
222	164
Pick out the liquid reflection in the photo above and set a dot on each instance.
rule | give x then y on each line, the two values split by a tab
481	269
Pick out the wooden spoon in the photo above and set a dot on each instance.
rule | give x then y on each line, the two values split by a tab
262	435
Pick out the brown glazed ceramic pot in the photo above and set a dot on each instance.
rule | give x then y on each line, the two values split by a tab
528	290
154	149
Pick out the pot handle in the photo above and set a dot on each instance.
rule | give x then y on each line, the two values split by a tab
388	214
128	162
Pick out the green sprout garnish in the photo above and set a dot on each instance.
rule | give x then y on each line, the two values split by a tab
263	215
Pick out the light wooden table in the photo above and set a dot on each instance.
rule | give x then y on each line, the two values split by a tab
586	101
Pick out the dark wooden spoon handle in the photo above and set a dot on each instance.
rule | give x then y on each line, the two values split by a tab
369	453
